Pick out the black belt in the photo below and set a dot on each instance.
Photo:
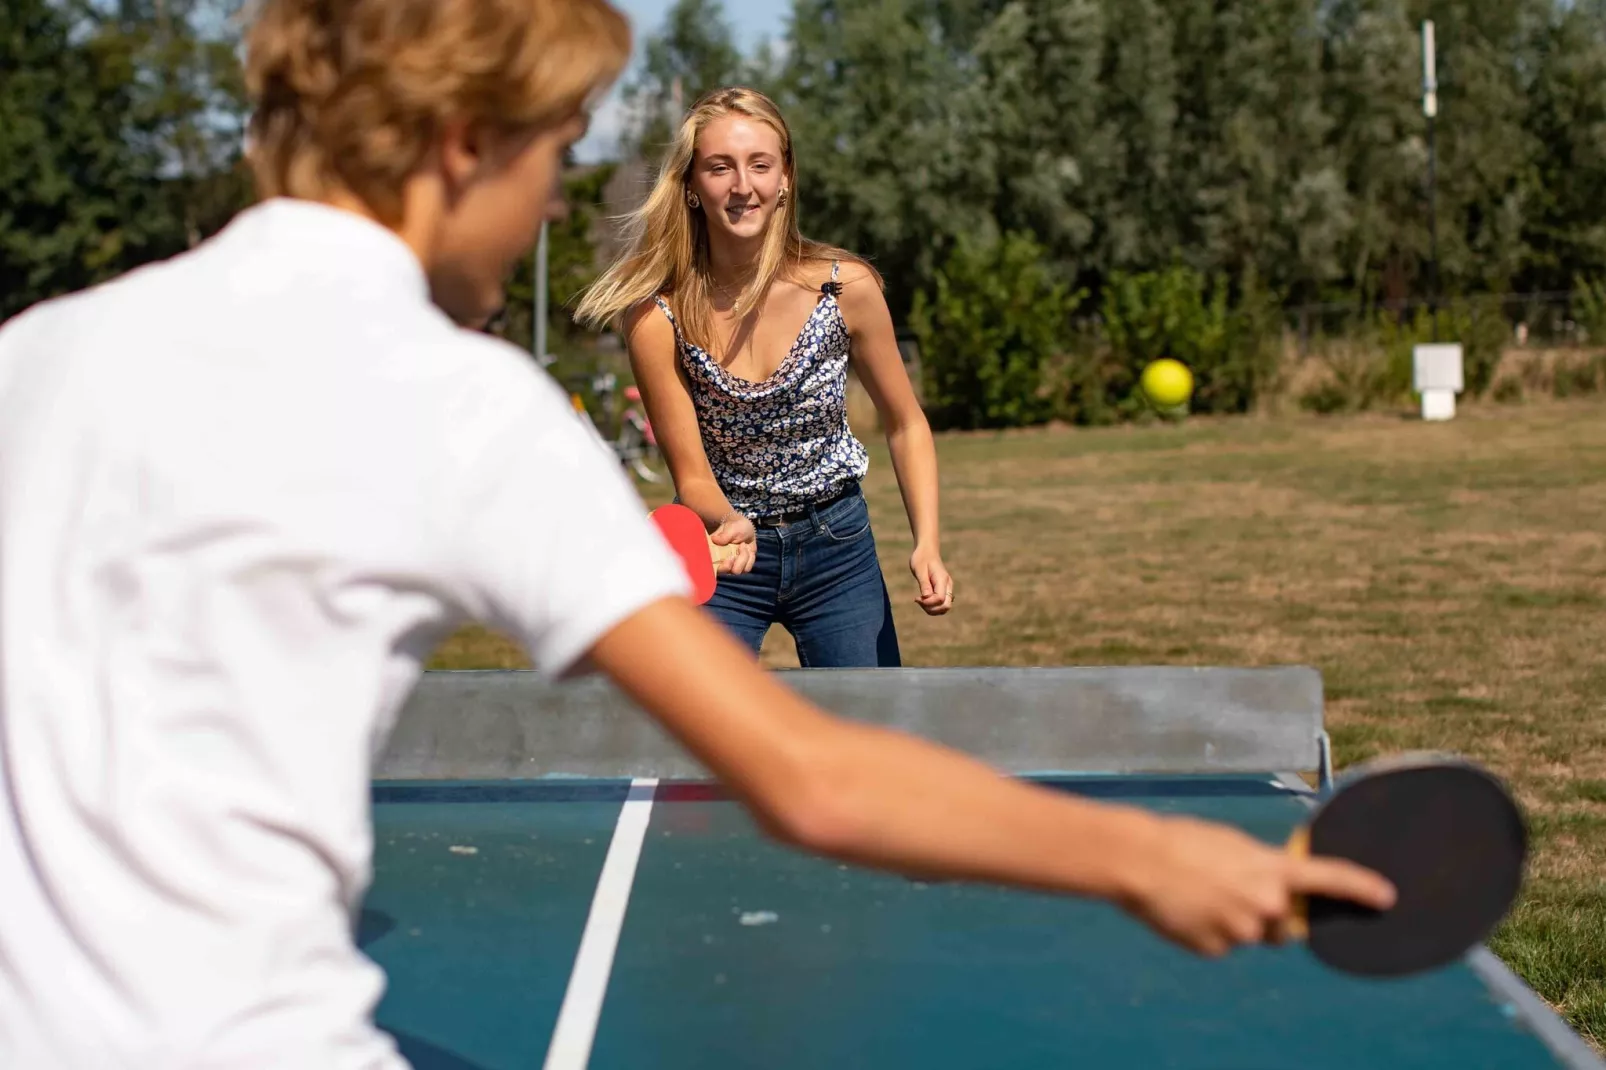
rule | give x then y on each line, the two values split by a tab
778	519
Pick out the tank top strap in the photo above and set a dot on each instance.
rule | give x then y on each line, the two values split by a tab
664	306
832	288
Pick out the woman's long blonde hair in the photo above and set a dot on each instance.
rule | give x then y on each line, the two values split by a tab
666	249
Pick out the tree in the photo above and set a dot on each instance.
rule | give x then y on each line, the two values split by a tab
889	161
1035	108
191	106
1260	191
693	53
1565	228
119	138
1139	216
80	200
1371	75
571	262
1486	175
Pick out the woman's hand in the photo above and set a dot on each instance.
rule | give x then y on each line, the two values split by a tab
738	533
936	586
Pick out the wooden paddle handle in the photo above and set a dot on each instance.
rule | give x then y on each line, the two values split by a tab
718	554
1299	918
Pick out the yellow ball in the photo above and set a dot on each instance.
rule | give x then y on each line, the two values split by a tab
1167	382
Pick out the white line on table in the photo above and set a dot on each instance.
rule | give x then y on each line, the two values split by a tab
588	983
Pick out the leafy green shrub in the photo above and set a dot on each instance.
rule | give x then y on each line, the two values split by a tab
1476	323
1227	340
1371	363
1589	308
1481	327
989	333
1360	375
1577	377
1507	391
1080	383
1327	398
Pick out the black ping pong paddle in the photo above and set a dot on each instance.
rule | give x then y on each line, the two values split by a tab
1448	835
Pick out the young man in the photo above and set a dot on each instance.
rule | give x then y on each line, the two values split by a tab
244	492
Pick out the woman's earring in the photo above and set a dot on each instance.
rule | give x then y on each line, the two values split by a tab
692	201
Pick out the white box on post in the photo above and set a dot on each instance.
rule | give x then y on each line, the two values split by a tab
1437	376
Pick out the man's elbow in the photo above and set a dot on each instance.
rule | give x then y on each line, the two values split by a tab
816	814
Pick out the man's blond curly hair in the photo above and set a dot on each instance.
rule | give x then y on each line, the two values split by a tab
350	95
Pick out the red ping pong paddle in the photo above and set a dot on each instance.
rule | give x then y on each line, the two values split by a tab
1446	833
686	535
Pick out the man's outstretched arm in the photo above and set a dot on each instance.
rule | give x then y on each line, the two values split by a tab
883	798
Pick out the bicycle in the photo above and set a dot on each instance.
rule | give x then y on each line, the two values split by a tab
634	443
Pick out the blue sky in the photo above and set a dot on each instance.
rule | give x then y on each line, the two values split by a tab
752	21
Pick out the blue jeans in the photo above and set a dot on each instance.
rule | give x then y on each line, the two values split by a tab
818	578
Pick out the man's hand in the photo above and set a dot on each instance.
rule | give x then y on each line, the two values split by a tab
1210	887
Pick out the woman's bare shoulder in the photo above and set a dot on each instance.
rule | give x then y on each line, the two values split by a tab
846	269
645	326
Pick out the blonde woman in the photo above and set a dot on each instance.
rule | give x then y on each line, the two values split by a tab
741	333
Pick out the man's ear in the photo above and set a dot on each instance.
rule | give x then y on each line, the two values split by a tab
461	151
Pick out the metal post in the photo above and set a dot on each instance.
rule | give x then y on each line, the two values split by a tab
539	312
1430	109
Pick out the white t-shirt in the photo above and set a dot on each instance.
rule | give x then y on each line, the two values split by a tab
243	494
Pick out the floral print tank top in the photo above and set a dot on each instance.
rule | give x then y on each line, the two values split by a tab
779	445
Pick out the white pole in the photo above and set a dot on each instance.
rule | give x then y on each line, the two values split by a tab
1430	82
1430	108
540	297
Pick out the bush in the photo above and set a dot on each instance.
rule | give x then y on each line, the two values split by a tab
1577	377
1360	375
1508	391
1589	308
1080	383
989	334
1371	365
1478	323
1228	341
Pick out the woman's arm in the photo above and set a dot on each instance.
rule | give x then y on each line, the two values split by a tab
880	368
666	395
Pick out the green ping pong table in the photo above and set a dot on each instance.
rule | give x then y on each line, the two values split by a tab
558	885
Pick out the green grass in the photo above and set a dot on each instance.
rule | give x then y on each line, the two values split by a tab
1556	941
1449	580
